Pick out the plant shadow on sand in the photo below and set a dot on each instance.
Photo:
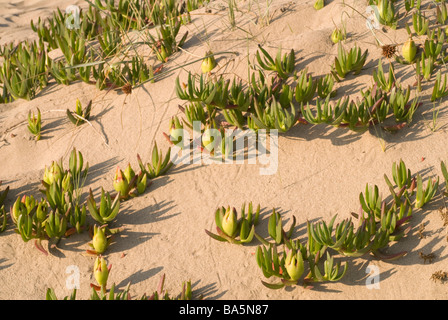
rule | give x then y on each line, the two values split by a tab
128	239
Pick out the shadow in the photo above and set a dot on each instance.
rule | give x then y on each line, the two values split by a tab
128	240
263	222
97	171
349	89
3	265
29	188
52	127
139	276
181	168
358	272
49	89
76	242
208	291
151	214
101	113
302	64
338	136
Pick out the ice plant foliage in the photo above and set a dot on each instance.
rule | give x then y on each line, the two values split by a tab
158	165
381	222
282	65
233	229
107	209
80	115
3	216
35	124
128	184
351	61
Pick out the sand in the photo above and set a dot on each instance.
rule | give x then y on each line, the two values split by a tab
321	169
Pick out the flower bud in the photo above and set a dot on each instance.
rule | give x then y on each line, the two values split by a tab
209	63
409	50
101	271
337	35
78	108
29	203
319	4
163	53
294	265
176	131
67	183
52	174
207	140
41	212
142	182
120	184
229	223
17	209
129	173
99	240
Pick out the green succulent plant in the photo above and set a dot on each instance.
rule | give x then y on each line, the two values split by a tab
332	272
56	224
319	4
440	89
283	65
427	66
101	272
442	13
403	108
386	13
287	267
23	71
445	175
305	88
424	195
323	233
235	230
77	218
107	209
109	41
158	165
401	176
100	241
272	116
3	219
351	61
51	295
128	184
325	86
276	230
209	62
176	133
111	295
59	195
62	72
325	113
79	116
383	82
196	111
160	294
166	43
35	124
433	45
203	92
420	23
